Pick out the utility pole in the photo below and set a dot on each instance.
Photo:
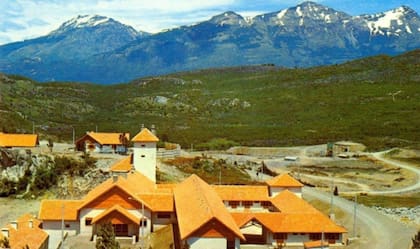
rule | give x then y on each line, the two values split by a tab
62	226
332	198
33	127
74	134
354	216
220	175
142	227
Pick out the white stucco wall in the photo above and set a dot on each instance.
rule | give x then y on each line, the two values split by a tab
207	243
53	228
91	213
276	190
145	159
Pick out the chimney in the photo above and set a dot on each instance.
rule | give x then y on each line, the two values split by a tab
14	224
114	178
153	129
142	126
31	223
5	232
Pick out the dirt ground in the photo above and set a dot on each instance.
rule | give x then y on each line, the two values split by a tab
11	209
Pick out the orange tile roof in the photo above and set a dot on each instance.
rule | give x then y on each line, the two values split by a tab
159	202
145	135
134	184
24	235
197	203
242	192
288	202
118	209
315	244
123	165
106	137
18	140
53	209
284	180
278	222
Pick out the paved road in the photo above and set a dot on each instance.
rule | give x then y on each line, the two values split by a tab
376	231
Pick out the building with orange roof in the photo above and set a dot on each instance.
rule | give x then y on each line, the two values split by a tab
103	142
203	220
283	182
204	216
25	231
9	140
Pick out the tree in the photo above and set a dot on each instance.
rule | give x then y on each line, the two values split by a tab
106	237
4	243
416	241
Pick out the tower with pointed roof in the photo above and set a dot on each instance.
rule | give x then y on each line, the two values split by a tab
144	153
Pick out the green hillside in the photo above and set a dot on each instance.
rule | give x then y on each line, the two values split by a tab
374	100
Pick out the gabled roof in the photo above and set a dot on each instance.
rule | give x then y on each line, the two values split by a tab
284	180
53	209
18	140
242	193
123	165
145	135
106	137
134	184
117	209
196	204
278	222
288	202
24	235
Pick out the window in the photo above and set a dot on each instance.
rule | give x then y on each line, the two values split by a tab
247	204
315	236
332	236
143	145
266	204
233	204
88	221
67	225
120	229
280	236
164	215
143	155
143	223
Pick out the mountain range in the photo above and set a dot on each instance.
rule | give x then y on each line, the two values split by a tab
102	50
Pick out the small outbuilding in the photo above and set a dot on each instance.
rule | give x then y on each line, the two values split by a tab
9	140
346	148
103	142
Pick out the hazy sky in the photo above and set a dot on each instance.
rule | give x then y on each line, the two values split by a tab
25	19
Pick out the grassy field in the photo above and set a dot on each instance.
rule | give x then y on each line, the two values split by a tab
375	101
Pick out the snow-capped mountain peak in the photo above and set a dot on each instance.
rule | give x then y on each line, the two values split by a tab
306	12
87	21
393	22
228	18
95	21
82	21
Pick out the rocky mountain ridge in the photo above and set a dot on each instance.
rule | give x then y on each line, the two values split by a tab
102	50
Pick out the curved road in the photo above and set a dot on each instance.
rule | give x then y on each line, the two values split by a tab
411	188
375	231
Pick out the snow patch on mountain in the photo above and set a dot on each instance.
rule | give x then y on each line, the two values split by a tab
386	22
82	21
